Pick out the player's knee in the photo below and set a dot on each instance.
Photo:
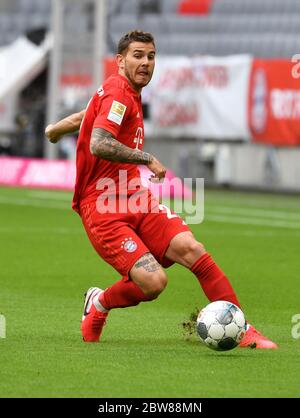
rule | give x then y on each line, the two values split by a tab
191	250
196	248
156	284
191	247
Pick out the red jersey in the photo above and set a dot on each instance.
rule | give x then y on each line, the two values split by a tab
117	108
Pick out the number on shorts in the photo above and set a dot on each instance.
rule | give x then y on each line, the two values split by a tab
169	214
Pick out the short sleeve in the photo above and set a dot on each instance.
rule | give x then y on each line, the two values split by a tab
115	108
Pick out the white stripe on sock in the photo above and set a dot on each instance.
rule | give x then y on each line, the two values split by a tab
98	305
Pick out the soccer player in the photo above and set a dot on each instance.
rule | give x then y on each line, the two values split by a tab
137	243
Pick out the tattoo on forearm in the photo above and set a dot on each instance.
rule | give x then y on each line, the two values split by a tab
148	262
105	146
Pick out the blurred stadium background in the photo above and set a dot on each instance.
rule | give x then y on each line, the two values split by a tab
224	103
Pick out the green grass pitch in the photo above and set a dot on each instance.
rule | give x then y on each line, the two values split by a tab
47	263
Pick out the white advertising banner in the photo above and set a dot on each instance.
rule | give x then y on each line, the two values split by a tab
7	113
21	62
201	96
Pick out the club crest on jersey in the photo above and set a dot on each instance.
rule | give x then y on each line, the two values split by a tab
117	112
129	245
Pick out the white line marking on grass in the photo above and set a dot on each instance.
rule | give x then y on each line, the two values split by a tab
50	195
37	230
255	212
247	201
254	233
213	218
253	221
25	202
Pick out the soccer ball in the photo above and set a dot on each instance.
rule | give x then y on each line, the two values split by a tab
221	325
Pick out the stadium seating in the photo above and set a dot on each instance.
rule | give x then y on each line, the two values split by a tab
19	16
255	6
129	7
222	24
169	6
267	28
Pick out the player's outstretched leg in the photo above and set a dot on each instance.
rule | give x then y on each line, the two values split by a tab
147	280
185	250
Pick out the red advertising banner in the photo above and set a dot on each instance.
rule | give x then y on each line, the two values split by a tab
85	80
274	102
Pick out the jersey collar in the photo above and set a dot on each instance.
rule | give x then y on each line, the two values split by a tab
129	86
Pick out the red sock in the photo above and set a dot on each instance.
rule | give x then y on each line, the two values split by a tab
122	294
213	281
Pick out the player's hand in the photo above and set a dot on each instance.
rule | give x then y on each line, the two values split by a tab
51	134
158	169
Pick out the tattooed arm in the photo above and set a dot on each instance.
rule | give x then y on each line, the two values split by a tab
104	145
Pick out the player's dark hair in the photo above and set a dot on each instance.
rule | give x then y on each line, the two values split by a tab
134	36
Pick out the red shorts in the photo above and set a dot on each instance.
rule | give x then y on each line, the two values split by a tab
122	238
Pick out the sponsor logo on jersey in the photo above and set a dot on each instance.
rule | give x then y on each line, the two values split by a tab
117	112
139	137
